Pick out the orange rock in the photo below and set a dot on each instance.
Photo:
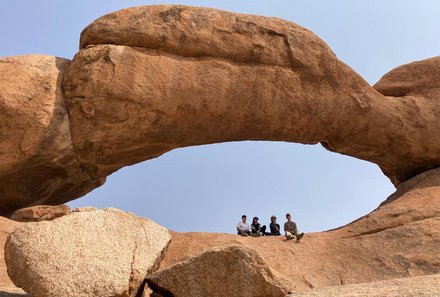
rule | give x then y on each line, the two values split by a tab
6	227
97	253
151	79
154	78
219	272
40	213
37	161
399	239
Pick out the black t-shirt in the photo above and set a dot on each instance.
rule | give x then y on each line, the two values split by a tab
274	228
256	228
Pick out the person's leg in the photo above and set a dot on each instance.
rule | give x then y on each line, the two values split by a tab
288	235
263	229
243	233
299	235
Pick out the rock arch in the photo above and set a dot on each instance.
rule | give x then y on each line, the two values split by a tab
154	78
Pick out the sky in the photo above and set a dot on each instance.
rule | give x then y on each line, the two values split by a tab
208	188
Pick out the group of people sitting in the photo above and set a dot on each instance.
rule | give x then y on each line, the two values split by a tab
255	229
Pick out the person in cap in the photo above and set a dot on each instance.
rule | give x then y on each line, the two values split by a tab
256	228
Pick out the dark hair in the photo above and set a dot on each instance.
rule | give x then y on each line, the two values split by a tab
288	215
243	216
255	218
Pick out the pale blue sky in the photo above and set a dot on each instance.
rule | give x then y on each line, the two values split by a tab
207	188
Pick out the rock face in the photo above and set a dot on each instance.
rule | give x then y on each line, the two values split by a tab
399	239
151	79
219	272
422	286
6	228
95	253
147	81
40	213
37	161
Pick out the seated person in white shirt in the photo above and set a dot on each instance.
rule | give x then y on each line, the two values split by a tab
243	228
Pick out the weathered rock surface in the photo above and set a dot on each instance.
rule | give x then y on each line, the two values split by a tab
37	162
6	227
12	292
154	78
40	213
417	79
421	286
151	79
219	272
399	239
95	253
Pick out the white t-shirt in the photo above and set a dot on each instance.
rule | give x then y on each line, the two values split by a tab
243	226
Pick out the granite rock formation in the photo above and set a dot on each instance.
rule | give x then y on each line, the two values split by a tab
219	272
40	213
421	286
37	161
399	239
161	67
95	253
6	227
151	79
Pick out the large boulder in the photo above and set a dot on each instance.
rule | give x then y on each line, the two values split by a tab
220	272
93	253
154	78
37	161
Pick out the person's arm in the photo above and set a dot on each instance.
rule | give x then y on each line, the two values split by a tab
285	227
253	229
238	227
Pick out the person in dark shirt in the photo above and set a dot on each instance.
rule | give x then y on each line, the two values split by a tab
274	227
256	228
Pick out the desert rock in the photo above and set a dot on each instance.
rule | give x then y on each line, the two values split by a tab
154	78
416	79
95	253
40	213
151	79
421	286
219	272
6	227
399	239
37	161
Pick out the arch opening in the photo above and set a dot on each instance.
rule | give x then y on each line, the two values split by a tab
207	188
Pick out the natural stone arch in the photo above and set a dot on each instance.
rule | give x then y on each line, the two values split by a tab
150	79
154	78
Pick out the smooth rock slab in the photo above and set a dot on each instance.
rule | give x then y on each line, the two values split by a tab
96	253
220	272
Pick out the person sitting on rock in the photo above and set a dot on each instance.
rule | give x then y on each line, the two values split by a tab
243	228
274	227
291	230
257	229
